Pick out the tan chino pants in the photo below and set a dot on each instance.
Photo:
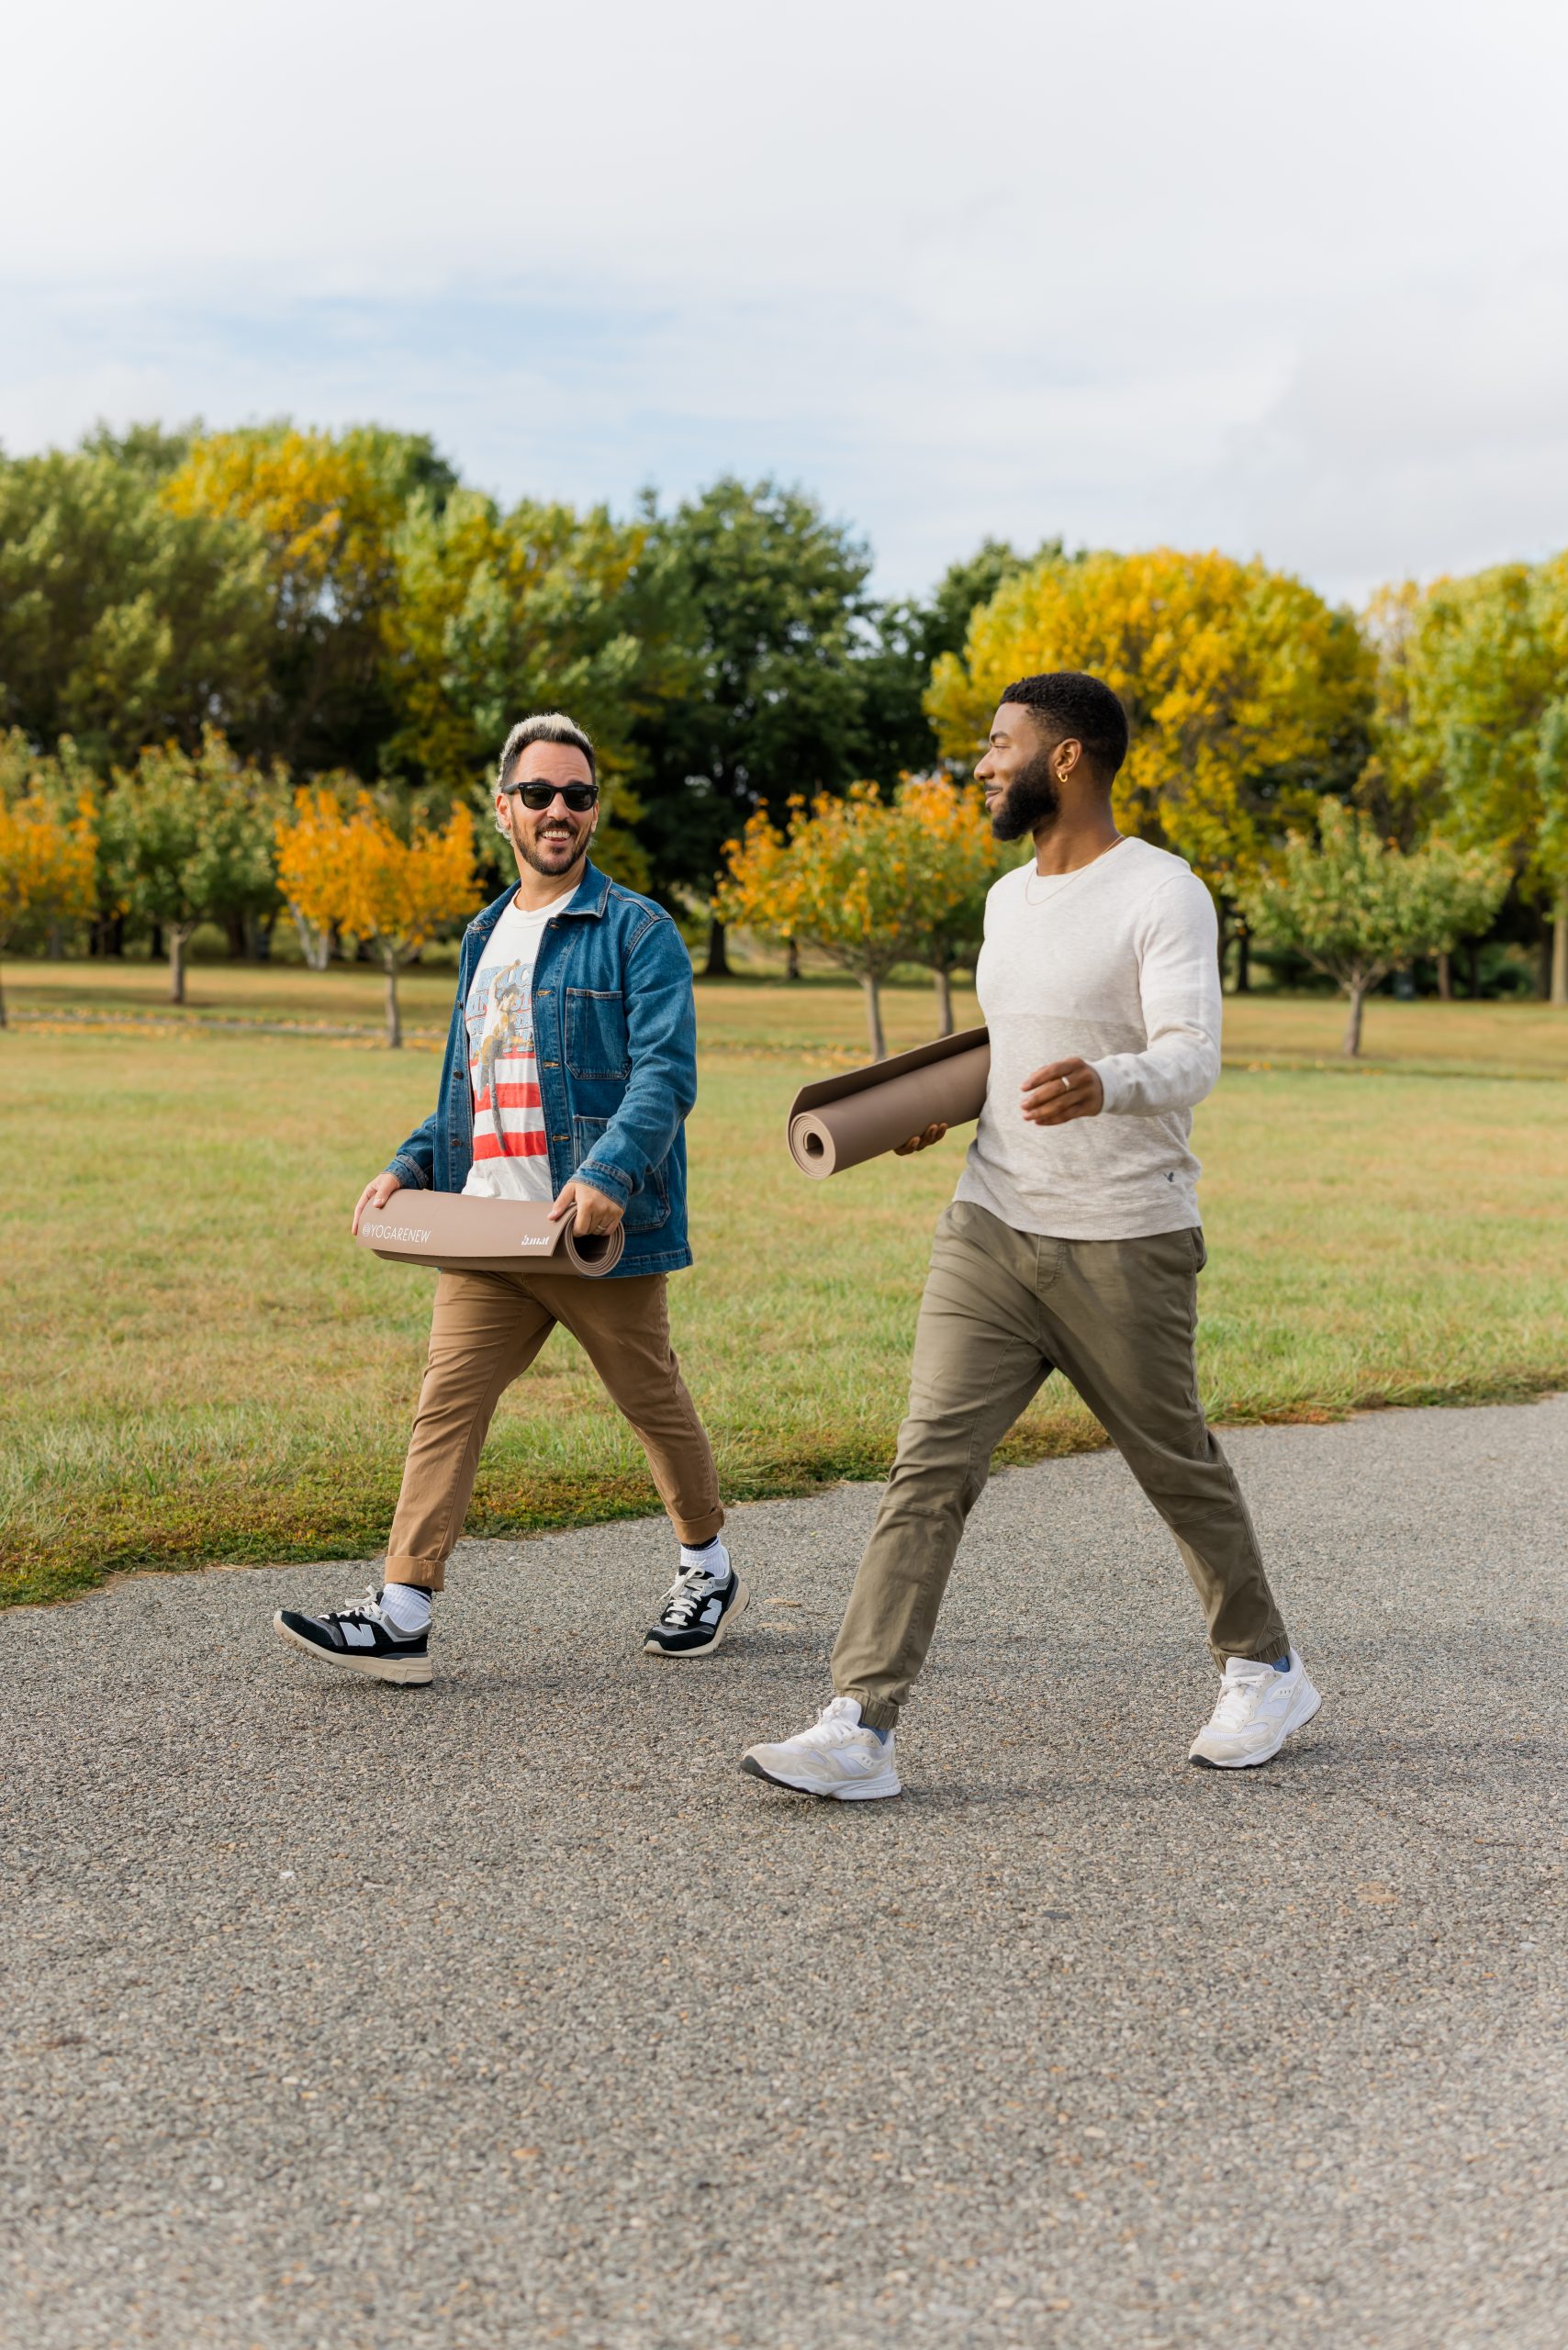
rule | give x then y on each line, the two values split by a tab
486	1331
1002	1310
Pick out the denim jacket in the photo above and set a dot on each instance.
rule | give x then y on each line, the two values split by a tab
615	1039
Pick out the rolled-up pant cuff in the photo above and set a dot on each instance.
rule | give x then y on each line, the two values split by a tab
876	1713
695	1531
432	1573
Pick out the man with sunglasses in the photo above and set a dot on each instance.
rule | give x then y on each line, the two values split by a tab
570	1069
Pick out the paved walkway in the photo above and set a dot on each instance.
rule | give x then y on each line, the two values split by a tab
510	2013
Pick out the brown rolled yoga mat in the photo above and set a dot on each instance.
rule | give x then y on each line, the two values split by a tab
843	1121
474	1235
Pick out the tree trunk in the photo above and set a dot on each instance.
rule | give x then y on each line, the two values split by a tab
874	1019
1243	960
4	1022
1445	976
718	964
179	938
944	1000
56	947
1560	950
1473	969
238	945
155	942
1352	1044
791	959
1223	917
393	1011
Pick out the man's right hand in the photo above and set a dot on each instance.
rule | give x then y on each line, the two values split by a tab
919	1142
376	1195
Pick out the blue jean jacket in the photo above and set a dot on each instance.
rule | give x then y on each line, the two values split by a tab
615	1039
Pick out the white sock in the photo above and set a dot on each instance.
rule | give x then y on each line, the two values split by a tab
406	1607
713	1558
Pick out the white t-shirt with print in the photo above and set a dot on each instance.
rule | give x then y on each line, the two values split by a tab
511	1152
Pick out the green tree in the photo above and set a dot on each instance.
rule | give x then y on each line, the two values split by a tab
541	608
772	605
122	622
909	636
1487	733
325	509
1358	907
188	838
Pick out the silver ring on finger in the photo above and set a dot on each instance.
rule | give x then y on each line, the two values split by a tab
1067	1084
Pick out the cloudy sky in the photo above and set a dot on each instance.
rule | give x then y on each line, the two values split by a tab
1281	278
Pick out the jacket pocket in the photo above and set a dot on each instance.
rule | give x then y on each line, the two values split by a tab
647	1210
595	1032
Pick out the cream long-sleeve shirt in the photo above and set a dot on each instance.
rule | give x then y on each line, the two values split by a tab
1117	964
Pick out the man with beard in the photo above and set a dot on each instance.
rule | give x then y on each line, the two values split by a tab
570	1067
1074	1244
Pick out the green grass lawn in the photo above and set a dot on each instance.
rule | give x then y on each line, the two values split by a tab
200	1364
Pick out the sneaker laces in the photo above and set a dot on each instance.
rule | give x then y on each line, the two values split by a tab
686	1595
834	1726
366	1611
1241	1691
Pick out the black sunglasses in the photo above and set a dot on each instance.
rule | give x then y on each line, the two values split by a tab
578	796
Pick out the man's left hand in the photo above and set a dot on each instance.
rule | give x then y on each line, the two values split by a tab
1061	1091
591	1211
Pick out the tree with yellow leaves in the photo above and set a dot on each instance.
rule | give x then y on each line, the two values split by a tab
869	883
1246	693
49	854
352	869
954	859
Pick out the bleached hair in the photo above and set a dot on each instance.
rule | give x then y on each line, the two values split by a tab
545	727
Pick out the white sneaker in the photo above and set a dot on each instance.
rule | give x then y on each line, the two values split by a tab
835	1757
1257	1711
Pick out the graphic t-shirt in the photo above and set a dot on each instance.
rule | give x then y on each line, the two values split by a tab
511	1155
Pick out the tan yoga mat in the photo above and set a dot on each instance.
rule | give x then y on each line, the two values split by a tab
473	1236
843	1121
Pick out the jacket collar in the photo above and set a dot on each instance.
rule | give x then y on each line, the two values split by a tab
592	891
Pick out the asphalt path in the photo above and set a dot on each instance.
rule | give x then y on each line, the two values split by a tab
508	2012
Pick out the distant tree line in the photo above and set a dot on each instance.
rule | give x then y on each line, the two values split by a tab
195	626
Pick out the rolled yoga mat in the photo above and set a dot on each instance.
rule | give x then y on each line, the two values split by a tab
843	1121
474	1235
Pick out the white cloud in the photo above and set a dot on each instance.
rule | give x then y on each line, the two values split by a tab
1285	279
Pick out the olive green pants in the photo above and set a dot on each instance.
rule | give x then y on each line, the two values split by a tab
1001	1311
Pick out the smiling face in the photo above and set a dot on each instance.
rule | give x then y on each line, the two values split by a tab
553	840
1021	771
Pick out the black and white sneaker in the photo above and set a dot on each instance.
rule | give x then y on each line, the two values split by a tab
362	1639
697	1609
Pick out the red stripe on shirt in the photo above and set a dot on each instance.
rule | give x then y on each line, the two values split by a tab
508	1097
510	1145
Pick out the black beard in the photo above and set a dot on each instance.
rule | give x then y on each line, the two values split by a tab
1030	800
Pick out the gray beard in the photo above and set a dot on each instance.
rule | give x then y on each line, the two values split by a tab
1030	800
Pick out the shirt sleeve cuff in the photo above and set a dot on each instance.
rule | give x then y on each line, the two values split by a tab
1113	1085
411	1175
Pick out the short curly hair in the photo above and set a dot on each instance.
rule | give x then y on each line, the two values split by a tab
1070	703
